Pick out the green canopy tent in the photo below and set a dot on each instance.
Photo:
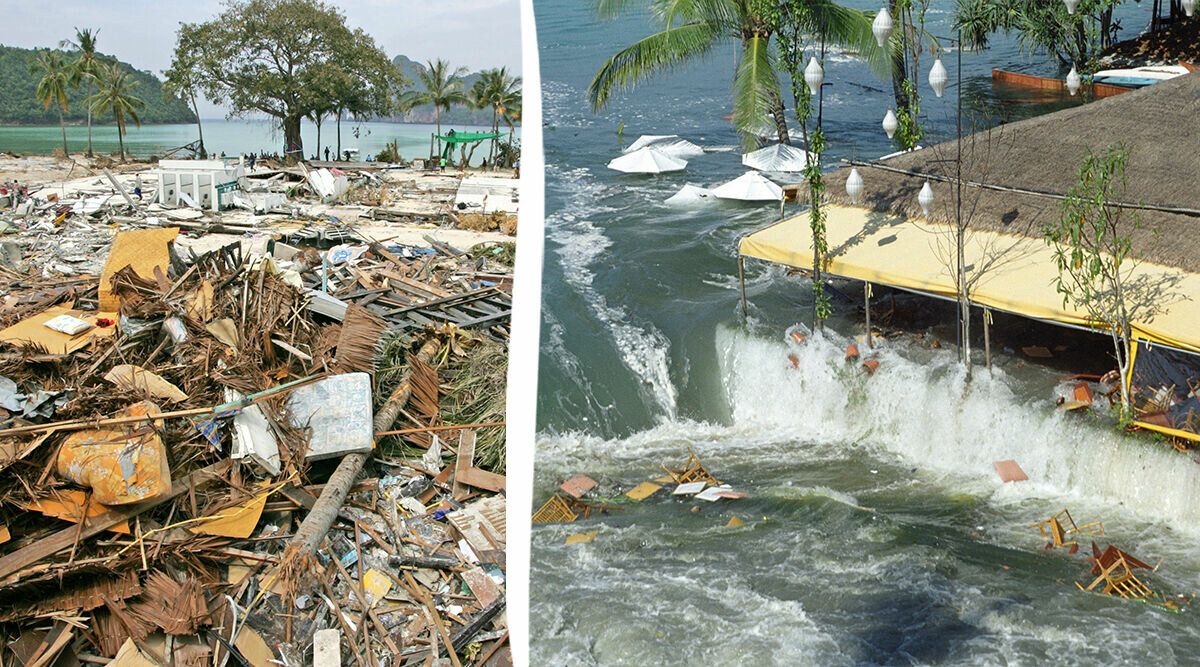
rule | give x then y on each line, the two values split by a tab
452	139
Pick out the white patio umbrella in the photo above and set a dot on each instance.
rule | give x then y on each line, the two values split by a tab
750	186
777	157
670	144
647	161
691	195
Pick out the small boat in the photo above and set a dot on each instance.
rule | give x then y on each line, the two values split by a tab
1127	81
1099	89
1137	77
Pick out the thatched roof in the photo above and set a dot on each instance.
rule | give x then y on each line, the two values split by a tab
1160	124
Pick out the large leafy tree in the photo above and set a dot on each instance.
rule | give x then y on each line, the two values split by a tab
52	88
341	90
85	67
183	79
115	96
267	56
689	29
441	86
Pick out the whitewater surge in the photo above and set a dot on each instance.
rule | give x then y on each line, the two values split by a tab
926	412
919	408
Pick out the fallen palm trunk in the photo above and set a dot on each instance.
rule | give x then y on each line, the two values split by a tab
430	562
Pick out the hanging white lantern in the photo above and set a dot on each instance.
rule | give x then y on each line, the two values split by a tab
890	124
938	77
1073	82
1071	5
854	186
1189	7
925	198
814	76
882	26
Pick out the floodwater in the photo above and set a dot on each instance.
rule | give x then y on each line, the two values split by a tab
876	530
231	137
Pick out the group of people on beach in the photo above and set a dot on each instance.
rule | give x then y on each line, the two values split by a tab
16	191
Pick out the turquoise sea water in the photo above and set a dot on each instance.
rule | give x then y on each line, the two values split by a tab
230	136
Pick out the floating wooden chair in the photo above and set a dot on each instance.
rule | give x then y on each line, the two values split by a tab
1118	580
562	508
693	471
556	510
1061	526
1101	560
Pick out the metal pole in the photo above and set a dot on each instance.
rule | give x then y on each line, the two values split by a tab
987	340
742	282
867	300
964	309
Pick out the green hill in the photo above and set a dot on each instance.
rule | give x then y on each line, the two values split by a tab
19	106
458	115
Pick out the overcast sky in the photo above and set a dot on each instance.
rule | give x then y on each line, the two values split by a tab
478	34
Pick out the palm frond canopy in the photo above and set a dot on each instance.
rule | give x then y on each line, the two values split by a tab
115	96
691	28
441	86
56	79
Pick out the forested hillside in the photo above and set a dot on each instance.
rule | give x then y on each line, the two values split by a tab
19	106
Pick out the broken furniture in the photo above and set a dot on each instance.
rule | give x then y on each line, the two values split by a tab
692	471
1118	579
1061	526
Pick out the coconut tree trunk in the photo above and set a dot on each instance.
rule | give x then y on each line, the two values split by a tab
319	136
495	140
780	119
199	129
339	132
437	111
63	125
89	153
121	139
291	137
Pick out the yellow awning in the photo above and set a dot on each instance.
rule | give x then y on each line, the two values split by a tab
1010	273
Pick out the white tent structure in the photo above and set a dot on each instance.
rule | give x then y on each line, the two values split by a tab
777	157
691	195
750	186
647	161
671	144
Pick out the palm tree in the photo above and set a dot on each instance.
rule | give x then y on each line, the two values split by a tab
481	98
692	28
443	88
501	92
115	96
85	66
52	89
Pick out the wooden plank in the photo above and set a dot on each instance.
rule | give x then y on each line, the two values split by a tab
482	479
466	456
63	539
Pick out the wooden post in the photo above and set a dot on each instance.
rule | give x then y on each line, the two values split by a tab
987	341
119	188
742	282
867	300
